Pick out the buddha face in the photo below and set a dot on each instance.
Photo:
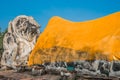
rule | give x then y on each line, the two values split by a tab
26	27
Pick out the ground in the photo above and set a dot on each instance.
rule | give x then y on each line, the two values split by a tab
11	75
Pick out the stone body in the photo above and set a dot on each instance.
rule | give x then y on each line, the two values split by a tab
70	41
19	40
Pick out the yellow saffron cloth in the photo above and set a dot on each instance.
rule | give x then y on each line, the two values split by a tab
102	34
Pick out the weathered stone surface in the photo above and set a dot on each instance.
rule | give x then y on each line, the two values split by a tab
19	41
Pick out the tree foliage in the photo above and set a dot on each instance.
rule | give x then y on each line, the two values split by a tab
2	33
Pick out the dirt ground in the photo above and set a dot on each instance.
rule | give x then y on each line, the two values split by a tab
11	75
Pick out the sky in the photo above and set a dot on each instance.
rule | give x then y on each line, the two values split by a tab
43	10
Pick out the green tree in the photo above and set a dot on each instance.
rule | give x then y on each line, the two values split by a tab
2	33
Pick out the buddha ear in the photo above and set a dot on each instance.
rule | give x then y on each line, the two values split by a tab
10	28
